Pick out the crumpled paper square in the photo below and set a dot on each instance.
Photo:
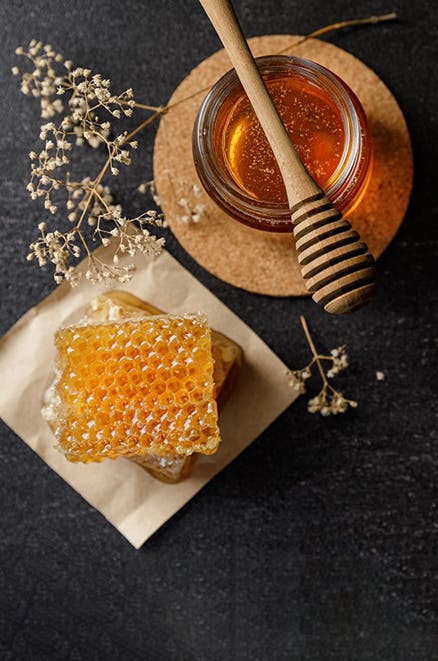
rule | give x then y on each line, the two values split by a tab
128	497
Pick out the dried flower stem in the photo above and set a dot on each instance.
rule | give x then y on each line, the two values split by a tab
87	111
142	106
370	20
328	401
94	190
316	358
159	111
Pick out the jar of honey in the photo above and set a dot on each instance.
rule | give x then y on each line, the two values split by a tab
324	119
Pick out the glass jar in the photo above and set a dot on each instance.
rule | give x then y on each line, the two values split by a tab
325	120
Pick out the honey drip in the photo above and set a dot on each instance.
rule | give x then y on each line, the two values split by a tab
312	121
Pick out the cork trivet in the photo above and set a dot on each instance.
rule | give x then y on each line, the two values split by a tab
265	262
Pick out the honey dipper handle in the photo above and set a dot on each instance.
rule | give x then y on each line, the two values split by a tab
223	18
335	264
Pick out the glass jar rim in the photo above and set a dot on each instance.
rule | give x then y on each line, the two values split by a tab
350	111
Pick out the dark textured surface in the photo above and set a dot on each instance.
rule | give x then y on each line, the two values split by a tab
320	541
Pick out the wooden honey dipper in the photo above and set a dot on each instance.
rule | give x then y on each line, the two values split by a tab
335	264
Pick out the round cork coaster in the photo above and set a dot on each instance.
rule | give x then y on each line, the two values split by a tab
266	262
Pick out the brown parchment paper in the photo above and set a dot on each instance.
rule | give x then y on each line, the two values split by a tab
133	501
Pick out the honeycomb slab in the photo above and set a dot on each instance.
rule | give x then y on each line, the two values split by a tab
129	387
116	305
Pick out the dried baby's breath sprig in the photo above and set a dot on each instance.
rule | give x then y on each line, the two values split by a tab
328	401
186	195
148	187
58	248
88	110
192	211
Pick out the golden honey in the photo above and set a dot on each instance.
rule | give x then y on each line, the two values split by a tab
133	386
324	120
313	122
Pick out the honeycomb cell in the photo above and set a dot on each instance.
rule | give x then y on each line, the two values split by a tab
173	385
120	395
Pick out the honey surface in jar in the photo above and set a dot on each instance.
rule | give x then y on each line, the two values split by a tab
313	122
135	385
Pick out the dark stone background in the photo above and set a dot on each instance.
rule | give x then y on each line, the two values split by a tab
320	541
